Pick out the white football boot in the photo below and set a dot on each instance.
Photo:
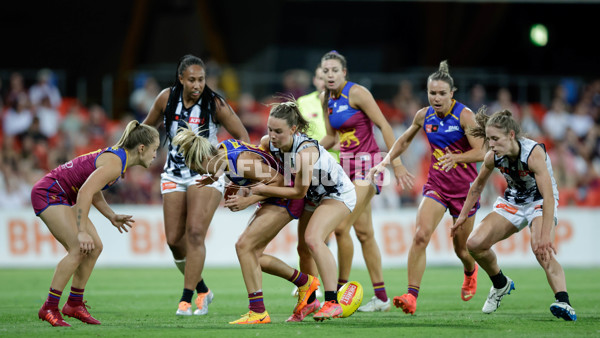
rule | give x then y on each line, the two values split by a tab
202	302
563	310
495	296
375	305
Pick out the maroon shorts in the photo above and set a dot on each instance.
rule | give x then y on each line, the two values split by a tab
47	192
293	207
454	205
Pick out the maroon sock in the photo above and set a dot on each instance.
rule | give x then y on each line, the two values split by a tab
298	278
256	302
414	290
76	296
341	283
53	298
379	289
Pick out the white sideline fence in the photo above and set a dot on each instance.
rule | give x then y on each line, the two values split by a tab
26	242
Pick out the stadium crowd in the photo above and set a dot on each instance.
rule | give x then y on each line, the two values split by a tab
40	129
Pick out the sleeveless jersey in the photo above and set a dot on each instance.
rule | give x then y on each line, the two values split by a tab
328	177
197	119
354	126
74	173
442	133
233	150
522	187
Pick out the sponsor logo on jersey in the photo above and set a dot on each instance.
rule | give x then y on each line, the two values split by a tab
431	128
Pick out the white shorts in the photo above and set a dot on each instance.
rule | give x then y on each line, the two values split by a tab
521	215
348	198
170	183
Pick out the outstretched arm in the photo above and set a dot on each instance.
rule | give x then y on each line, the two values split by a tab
399	146
475	191
121	222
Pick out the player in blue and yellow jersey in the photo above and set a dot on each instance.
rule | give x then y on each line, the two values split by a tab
63	198
352	112
452	170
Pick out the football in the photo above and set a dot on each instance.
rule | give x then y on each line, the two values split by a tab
350	297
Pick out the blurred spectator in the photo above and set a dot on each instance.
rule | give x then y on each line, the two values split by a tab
477	98
72	127
15	88
580	121
45	87
555	120
213	76
142	97
14	190
18	117
404	98
252	118
296	82
504	101
49	117
565	173
528	123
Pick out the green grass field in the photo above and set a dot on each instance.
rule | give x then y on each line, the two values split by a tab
142	302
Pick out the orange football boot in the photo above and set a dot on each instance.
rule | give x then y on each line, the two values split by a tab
469	286
407	302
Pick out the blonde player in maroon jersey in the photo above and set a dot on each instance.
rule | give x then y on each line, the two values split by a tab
62	199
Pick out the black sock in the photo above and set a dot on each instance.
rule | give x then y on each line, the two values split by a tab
499	280
331	295
562	296
312	297
187	295
201	287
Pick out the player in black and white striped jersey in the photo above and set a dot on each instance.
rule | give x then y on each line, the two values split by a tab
187	209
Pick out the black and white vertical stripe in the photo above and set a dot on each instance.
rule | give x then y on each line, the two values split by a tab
175	164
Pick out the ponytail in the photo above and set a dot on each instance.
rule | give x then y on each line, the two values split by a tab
136	134
443	74
290	112
502	120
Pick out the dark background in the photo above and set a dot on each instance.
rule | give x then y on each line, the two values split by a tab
89	40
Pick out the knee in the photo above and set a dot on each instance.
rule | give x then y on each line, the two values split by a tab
474	245
364	235
341	231
196	235
242	246
422	238
97	250
174	242
312	242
